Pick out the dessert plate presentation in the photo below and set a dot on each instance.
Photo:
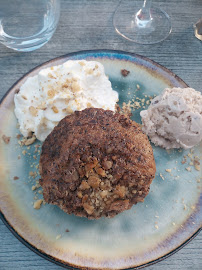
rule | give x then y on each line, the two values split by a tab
169	217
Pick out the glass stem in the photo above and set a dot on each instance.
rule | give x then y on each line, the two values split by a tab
143	16
147	4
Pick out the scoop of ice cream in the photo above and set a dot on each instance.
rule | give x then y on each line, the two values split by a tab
43	100
174	118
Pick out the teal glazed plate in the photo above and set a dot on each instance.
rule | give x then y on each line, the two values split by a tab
150	231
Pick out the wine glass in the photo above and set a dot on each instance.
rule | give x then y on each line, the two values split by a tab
144	25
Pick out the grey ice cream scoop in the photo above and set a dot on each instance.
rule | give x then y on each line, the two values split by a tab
174	118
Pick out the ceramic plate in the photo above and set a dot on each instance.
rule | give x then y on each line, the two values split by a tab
169	217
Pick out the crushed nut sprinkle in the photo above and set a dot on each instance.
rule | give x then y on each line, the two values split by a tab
81	63
75	87
197	165
24	152
58	236
162	177
6	139
37	204
18	136
33	174
33	111
125	72
51	93
55	109
51	76
29	141
24	97
188	169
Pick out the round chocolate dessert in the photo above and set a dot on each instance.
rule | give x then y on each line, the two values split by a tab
96	163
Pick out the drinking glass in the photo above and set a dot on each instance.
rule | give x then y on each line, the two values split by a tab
145	24
26	25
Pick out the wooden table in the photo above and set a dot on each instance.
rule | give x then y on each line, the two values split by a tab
87	25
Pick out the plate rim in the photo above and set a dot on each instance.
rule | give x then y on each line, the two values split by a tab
72	267
12	229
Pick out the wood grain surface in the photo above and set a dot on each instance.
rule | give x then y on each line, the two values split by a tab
87	25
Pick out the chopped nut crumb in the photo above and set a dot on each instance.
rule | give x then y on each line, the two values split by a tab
15	178
18	136
29	141
75	87
184	160
6	139
33	111
37	204
137	104
55	109
156	226
51	93
168	170
79	194
126	108
24	97
125	72
58	236
51	76
197	167
104	193
189	155
196	163
88	208
33	174
188	169
162	176
24	152
94	181
89	105
101	172
82	63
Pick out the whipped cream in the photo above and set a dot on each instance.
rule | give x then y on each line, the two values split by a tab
43	100
174	118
